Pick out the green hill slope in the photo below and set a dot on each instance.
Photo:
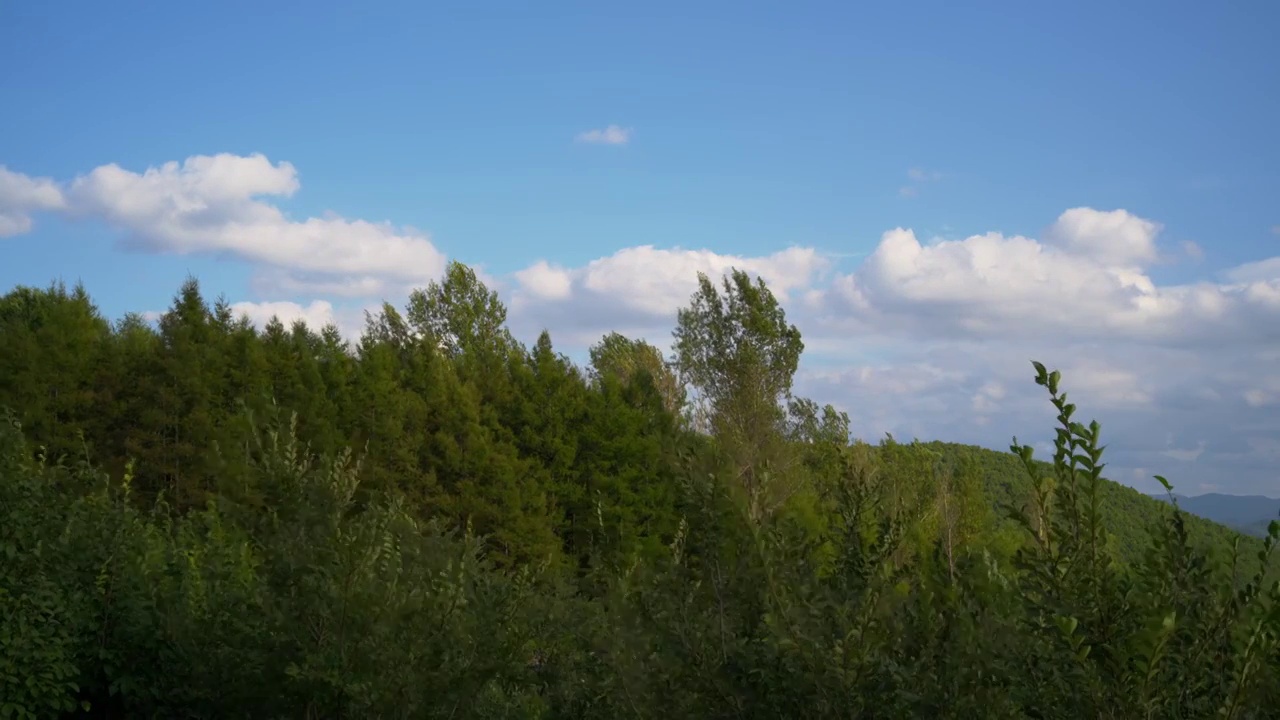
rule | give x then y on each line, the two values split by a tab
1129	515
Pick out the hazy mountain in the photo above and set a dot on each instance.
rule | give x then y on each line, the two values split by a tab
1248	513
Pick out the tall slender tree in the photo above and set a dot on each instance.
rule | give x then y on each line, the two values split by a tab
739	353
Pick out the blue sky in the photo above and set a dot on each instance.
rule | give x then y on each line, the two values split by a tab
750	129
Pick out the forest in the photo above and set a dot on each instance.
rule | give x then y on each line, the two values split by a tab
203	519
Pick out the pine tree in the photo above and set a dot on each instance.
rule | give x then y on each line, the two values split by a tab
54	345
187	392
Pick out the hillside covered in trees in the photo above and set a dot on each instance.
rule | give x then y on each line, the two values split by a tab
203	519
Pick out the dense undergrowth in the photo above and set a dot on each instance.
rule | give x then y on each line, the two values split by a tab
203	520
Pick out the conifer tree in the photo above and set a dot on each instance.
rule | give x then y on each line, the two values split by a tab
53	344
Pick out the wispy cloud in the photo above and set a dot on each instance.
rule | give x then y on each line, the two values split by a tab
1186	454
918	177
611	135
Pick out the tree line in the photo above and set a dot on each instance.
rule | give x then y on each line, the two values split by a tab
203	519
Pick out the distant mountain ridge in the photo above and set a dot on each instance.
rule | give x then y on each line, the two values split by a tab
1249	514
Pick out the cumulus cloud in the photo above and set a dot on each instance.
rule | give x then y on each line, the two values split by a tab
1114	237
905	398
1261	271
316	315
1110	386
1087	278
643	287
544	281
20	196
214	205
611	135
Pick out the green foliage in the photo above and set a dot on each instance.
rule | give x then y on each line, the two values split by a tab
631	361
459	315
740	356
737	349
205	520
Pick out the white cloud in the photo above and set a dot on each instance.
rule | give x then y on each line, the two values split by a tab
1192	250
1262	271
1114	238
212	205
545	282
1108	385
1087	279
276	282
20	196
905	398
642	287
316	315
611	135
